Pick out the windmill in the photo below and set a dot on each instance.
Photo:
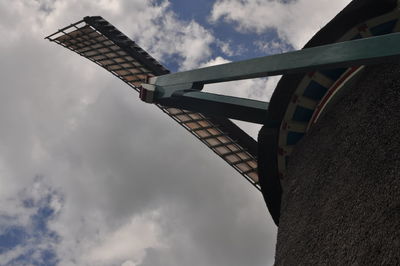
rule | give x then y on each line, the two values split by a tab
326	70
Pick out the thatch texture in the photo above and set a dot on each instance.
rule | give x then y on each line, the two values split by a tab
341	194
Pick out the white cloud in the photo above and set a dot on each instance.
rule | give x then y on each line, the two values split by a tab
159	31
272	47
226	48
128	263
215	61
8	256
296	22
129	242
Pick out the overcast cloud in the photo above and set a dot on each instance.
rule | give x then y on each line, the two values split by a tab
296	21
92	176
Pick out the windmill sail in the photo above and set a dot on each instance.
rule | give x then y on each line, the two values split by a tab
97	40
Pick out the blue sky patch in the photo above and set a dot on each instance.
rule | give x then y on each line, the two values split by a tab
242	45
34	239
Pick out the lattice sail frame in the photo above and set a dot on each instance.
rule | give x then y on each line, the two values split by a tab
97	40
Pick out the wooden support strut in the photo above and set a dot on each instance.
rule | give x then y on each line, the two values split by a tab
182	89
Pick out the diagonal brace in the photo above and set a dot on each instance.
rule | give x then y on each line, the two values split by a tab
207	103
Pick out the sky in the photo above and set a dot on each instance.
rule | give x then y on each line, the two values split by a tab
90	175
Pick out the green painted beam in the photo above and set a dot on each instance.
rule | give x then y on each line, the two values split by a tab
217	105
373	50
